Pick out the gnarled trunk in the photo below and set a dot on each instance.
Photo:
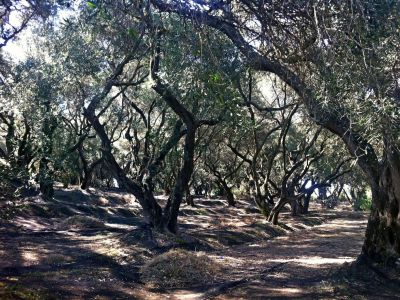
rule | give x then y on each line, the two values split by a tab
189	197
228	193
306	203
174	201
45	171
144	194
229	196
274	214
382	239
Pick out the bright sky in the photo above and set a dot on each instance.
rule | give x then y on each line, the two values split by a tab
19	48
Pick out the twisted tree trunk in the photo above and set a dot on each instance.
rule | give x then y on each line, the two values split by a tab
46	179
382	238
174	201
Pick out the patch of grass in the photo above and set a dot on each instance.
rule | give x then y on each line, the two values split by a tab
312	221
82	222
180	268
268	229
57	259
230	238
12	292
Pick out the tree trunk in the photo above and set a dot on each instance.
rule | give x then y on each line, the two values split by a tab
224	187
189	197
382	239
228	193
322	193
87	174
230	197
294	206
355	199
86	180
144	194
206	190
45	172
274	214
88	171
257	197
174	201
306	203
257	193
167	191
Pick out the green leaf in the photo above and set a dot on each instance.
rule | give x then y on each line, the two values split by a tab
91	5
132	33
216	78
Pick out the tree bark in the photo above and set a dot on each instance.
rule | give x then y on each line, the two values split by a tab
144	194
189	197
45	172
229	196
228	192
306	203
174	201
88	169
274	214
382	239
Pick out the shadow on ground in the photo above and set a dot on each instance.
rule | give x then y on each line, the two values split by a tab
91	245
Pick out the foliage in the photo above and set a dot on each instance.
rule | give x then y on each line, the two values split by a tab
365	202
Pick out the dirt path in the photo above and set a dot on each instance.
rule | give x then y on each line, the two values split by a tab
292	266
104	263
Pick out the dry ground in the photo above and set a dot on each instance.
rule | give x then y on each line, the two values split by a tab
46	252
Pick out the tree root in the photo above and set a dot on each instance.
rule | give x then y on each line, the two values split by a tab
219	289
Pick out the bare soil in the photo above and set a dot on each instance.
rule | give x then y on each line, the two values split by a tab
43	256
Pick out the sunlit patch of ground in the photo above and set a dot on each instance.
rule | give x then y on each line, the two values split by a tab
293	265
315	260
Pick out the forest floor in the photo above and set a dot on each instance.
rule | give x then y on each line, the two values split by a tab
91	245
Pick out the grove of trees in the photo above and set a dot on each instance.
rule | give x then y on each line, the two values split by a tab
272	100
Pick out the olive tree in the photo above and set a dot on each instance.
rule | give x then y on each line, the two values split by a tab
340	58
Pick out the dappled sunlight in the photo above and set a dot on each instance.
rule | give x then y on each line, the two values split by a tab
315	260
285	291
31	224
346	224
229	260
30	257
198	149
108	257
187	295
